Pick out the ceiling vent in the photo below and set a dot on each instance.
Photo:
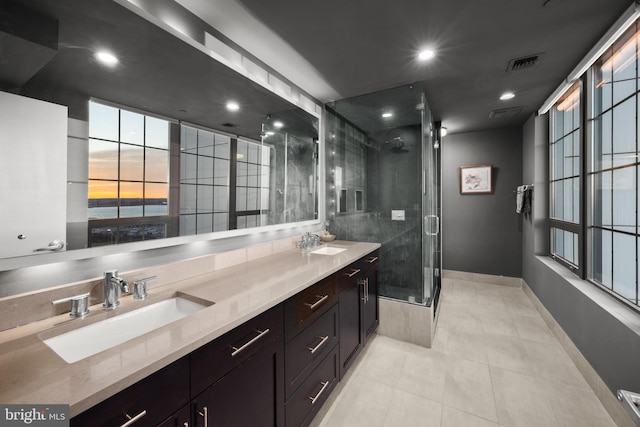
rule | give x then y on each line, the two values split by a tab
229	125
529	61
504	113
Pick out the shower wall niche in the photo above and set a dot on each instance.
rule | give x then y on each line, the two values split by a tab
374	183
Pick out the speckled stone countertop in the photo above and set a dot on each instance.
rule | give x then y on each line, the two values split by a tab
32	373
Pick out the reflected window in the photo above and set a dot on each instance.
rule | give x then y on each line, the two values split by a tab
253	176
204	181
128	173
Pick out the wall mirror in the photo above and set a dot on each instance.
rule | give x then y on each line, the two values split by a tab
154	150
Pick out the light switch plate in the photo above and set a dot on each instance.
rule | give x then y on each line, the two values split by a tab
397	215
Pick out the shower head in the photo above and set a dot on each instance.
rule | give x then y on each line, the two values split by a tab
395	143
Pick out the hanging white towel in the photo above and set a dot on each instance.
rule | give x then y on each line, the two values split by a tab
522	202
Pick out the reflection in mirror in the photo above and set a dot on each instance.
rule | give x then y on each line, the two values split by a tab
153	150
220	182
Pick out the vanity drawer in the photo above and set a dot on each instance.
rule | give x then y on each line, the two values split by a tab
212	361
371	260
303	308
304	352
313	392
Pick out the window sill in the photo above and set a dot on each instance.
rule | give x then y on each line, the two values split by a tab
619	310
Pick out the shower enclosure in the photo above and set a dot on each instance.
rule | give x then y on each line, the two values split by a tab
383	185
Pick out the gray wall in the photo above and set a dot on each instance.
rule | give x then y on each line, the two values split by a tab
482	233
605	331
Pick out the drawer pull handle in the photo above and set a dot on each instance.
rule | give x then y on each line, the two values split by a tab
322	341
237	350
354	271
372	259
314	398
134	419
317	303
205	414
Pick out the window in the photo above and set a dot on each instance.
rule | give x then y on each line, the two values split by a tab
204	181
606	230
613	169
252	183
128	175
565	169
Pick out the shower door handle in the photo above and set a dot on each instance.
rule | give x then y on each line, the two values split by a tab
429	225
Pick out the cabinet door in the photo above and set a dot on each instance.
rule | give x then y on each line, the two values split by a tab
182	418
212	361
370	303
33	160
351	338
148	401
252	395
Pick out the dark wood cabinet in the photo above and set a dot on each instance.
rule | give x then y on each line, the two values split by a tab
351	338
212	361
307	400
305	350
182	418
149	401
238	379
358	307
312	362
305	307
370	307
274	370
251	395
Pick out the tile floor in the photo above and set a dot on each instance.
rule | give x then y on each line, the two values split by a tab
494	362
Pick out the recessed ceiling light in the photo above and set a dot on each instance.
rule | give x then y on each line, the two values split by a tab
106	58
278	125
387	115
233	106
507	95
426	54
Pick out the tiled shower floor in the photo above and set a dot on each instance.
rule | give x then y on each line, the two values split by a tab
494	362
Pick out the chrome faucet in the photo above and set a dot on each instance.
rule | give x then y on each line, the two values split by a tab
113	285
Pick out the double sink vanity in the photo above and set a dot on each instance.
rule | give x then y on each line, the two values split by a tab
263	342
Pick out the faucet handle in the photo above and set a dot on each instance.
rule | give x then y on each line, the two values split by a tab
79	304
140	287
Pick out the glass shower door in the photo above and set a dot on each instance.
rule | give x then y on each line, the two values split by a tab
431	241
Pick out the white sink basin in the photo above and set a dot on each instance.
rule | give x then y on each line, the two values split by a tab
92	339
328	250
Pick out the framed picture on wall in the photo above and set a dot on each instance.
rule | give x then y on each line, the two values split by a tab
476	179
